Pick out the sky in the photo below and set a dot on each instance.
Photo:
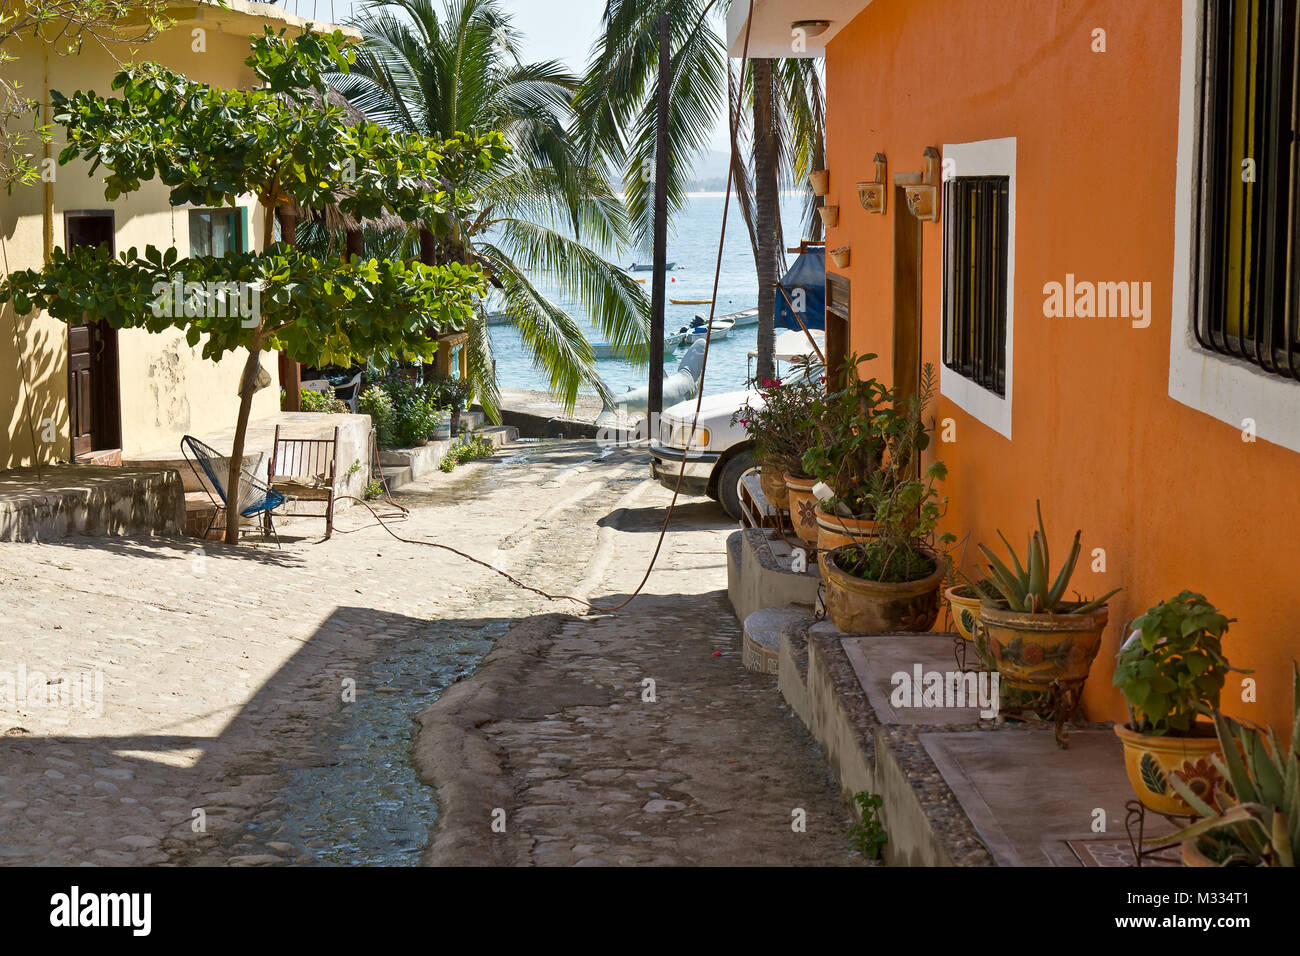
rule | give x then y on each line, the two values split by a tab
552	30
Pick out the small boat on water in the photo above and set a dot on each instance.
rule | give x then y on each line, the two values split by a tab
691	301
647	267
697	332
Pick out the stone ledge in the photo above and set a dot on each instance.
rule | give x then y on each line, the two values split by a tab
92	500
759	575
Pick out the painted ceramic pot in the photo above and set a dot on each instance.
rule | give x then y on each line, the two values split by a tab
965	608
1152	760
771	478
1033	651
835	531
858	606
803	507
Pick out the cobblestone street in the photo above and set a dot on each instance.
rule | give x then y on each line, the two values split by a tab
219	727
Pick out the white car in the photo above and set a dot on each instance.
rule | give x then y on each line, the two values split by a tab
719	454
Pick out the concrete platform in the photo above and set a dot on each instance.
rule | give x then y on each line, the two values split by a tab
70	500
759	574
404	465
353	449
958	787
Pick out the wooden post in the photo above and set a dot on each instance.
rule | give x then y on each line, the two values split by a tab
658	293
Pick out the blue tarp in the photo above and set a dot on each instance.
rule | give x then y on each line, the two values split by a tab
808	274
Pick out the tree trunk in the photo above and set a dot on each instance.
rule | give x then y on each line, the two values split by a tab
767	199
233	479
291	377
817	230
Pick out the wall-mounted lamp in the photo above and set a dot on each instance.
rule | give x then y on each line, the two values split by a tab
840	257
872	194
830	216
811	28
923	199
820	181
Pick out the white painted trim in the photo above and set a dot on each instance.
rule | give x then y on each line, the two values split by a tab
990	157
1225	388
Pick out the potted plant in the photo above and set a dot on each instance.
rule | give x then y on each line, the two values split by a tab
891	581
1036	636
1255	819
845	451
964	605
780	427
1170	670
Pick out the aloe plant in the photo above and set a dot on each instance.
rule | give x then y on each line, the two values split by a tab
1259	823
1025	587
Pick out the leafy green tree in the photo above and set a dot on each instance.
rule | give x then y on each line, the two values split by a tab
541	212
779	140
282	144
67	25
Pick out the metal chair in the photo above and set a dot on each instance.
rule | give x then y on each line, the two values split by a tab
212	469
305	469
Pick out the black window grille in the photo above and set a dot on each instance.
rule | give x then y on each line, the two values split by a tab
1246	302
975	246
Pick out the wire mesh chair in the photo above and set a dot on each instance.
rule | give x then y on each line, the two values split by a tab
212	469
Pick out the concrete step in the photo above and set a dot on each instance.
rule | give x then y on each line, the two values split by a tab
405	465
762	636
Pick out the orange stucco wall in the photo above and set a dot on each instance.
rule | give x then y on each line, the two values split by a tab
1176	498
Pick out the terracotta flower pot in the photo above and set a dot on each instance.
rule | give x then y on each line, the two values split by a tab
858	606
840	257
1192	855
835	531
965	609
820	181
1033	651
771	479
1152	760
830	216
803	507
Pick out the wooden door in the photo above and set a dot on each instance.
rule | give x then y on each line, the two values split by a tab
907	291
94	409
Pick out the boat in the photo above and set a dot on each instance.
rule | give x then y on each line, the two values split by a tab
741	319
648	267
697	331
691	301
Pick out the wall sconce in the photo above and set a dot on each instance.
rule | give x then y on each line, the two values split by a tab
812	28
923	199
840	257
820	181
830	216
872	194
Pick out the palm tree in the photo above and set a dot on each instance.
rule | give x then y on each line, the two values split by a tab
541	212
778	141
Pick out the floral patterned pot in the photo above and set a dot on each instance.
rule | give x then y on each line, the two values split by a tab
1033	651
965	610
1151	761
858	606
771	479
834	531
803	507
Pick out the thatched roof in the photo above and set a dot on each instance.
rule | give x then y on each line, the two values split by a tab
331	216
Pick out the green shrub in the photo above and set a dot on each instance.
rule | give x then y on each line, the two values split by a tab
374	489
376	403
313	401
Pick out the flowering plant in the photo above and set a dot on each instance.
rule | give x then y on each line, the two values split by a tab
848	441
781	426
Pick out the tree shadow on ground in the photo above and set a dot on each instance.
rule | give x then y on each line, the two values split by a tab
77	799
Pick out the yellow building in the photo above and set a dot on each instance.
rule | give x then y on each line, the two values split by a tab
89	393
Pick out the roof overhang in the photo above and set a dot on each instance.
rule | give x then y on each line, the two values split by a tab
773	34
244	17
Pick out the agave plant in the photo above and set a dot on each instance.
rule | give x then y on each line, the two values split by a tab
1259	823
1025	587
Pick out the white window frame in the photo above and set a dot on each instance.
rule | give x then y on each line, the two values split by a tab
1223	387
989	157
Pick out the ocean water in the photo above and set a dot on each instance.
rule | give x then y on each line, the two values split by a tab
693	245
